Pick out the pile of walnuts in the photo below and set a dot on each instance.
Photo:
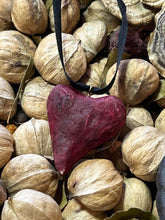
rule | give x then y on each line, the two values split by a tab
121	173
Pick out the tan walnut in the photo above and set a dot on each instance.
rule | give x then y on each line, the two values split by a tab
136	80
97	11
70	15
135	194
29	17
96	184
30	171
16	49
7	97
34	98
5	15
142	150
31	204
92	36
6	145
76	210
33	137
48	64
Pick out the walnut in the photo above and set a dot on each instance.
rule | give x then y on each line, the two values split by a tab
142	150
136	80
29	17
92	36
70	15
48	64
31	204
6	145
160	121
135	194
96	184
7	97
33	137
16	49
76	210
30	171
34	98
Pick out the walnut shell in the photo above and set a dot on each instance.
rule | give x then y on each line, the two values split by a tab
76	210
93	75
93	37
3	192
29	17
7	97
31	204
154	210
70	15
137	116
6	145
34	99
135	194
113	153
142	150
30	171
137	13
48	64
33	137
153	3
156	42
96	184
5	15
136	80
97	11
15	52
160	121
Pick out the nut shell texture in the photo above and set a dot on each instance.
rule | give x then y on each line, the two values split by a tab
136	80
34	99
76	210
93	37
5	15
96	184
31	204
30	171
156	44
70	15
97	11
6	145
143	148
137	14
48	63
6	99
30	16
160	121
15	52
136	194
33	137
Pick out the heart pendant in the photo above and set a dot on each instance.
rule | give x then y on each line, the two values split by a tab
79	123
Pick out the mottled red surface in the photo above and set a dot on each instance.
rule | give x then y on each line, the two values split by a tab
79	124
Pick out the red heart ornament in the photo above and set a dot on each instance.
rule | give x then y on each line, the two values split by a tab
79	123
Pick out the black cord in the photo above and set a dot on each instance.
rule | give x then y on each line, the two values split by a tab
121	44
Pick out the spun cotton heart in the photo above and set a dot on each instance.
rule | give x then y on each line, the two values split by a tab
79	123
